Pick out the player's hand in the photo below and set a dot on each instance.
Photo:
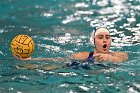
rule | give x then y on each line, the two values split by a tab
101	57
17	56
20	58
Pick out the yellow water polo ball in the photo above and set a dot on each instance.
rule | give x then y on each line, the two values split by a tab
22	45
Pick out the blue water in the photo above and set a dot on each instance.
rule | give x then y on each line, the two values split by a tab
60	28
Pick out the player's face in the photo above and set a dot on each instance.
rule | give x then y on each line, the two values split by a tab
103	42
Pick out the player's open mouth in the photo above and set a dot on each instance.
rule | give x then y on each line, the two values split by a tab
105	46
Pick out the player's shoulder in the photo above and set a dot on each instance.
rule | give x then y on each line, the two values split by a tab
120	53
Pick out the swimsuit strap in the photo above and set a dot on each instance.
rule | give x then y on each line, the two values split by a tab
90	57
90	54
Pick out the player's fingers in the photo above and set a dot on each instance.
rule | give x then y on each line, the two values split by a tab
97	55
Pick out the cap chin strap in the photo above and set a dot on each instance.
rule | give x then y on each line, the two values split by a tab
95	45
96	49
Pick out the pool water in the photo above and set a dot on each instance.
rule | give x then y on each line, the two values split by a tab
60	28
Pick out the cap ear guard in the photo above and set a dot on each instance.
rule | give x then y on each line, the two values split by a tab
91	39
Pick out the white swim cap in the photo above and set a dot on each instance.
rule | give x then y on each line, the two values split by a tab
95	33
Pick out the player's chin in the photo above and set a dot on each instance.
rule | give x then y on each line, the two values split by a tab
105	51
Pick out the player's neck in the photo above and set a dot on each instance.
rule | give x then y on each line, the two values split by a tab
96	51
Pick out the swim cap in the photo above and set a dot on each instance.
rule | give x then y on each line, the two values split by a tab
95	33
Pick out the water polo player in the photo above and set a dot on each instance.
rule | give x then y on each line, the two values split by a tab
101	42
